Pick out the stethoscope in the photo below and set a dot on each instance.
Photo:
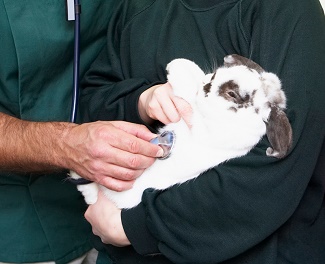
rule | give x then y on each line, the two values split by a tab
165	140
73	12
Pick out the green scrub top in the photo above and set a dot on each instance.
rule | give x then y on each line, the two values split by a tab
42	215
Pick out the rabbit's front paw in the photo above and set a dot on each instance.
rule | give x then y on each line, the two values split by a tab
185	77
89	191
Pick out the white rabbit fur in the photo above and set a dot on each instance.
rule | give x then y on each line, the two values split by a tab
231	108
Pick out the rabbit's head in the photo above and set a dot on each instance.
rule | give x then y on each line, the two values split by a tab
242	87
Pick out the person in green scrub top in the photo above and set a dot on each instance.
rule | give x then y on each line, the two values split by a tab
254	209
41	212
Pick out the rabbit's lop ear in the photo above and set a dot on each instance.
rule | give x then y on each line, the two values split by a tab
278	128
236	60
279	133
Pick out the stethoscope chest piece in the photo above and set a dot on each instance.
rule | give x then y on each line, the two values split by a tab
166	141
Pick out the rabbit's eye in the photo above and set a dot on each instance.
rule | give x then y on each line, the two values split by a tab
237	98
232	94
230	91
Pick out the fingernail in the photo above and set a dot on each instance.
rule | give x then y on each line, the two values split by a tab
160	153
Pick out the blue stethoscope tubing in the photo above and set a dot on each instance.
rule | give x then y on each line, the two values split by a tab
76	62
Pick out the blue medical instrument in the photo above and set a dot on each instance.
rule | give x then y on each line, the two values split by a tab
166	141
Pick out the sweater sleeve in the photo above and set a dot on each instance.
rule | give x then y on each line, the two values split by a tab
108	92
234	207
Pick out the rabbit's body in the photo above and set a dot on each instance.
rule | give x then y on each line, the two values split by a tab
230	110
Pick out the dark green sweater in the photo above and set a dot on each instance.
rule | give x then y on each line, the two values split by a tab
253	209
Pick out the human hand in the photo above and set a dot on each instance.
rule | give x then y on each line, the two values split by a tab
184	109
106	222
112	154
160	103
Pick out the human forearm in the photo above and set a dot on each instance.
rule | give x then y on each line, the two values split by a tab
112	153
31	146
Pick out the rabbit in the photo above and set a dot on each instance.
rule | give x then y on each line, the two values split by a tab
233	108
